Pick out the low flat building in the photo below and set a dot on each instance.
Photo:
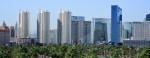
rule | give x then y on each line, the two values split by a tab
27	40
137	43
53	36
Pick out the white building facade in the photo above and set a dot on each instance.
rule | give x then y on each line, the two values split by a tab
140	30
23	24
43	27
64	18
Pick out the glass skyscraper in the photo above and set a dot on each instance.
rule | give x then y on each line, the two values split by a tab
116	23
100	31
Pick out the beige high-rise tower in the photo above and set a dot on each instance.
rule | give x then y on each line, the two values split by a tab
23	23
43	27
64	27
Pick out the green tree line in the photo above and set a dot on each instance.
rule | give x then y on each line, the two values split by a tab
73	51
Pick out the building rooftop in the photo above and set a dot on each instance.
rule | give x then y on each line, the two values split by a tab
4	28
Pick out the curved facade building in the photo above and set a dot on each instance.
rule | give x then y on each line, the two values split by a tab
43	27
23	24
64	27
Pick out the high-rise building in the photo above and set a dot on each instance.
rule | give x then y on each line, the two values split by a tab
126	31
23	24
43	27
148	17
87	32
100	31
140	30
12	33
16	30
77	29
140	35
53	36
64	27
59	27
116	23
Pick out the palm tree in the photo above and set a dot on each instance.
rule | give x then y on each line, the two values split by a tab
114	52
33	52
132	52
144	53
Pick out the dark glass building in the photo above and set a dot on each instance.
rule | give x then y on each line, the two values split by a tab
148	17
12	31
116	22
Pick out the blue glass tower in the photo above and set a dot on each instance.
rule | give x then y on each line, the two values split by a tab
116	19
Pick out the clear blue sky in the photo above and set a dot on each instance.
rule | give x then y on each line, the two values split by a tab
133	10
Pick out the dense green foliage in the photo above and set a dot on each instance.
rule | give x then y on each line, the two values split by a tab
73	51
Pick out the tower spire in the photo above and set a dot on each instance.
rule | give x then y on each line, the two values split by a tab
4	24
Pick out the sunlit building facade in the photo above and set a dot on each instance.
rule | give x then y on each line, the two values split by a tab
43	26
23	25
64	27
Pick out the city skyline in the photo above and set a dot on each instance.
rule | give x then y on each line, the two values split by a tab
131	12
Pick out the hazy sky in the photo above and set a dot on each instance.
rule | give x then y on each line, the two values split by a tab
133	10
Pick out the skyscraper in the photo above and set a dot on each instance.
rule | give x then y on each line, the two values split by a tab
100	31
23	24
43	27
116	19
64	27
87	32
16	27
12	33
77	29
148	17
59	27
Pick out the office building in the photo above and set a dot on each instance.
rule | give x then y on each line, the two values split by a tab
12	34
23	25
64	27
100	31
87	32
77	29
137	43
140	35
4	34
140	30
53	36
148	17
16	30
43	27
126	31
59	27
116	23
12	31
